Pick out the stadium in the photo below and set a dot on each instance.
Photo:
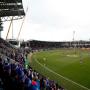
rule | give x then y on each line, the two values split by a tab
40	64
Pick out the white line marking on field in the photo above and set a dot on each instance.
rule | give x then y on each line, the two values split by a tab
62	76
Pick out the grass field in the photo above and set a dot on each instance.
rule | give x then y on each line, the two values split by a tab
69	67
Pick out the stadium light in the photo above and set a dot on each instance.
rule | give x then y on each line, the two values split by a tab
74	45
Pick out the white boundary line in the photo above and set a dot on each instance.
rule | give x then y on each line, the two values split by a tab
62	76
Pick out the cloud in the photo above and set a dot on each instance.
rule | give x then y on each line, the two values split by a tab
56	20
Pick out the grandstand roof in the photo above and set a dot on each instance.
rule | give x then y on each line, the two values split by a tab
11	8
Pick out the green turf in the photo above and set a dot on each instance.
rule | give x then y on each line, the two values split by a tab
69	63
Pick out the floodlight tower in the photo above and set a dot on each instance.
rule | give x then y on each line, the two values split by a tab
73	35
74	41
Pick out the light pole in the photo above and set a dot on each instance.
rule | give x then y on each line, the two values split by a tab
74	45
73	35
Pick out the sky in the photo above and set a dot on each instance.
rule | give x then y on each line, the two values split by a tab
53	20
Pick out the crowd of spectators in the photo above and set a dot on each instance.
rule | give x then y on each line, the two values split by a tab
14	75
11	52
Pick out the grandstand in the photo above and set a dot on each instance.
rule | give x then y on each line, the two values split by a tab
15	74
47	44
